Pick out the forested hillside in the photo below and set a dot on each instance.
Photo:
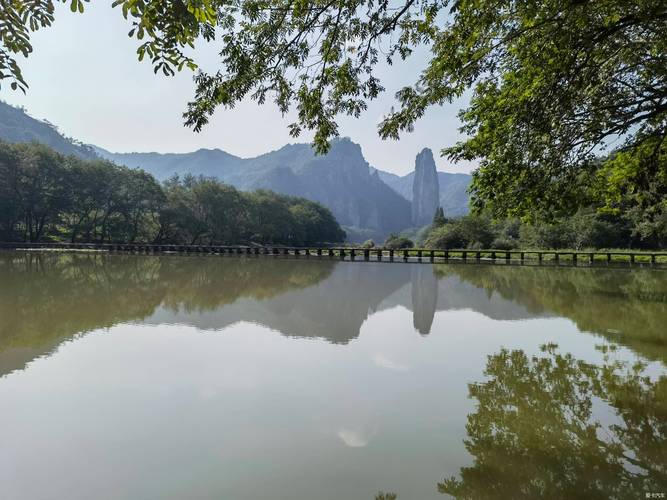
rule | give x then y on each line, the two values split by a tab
17	126
45	196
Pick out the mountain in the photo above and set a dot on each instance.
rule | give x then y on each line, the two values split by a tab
425	189
453	189
341	180
367	202
17	126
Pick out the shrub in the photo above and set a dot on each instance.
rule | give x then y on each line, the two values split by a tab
446	237
477	231
504	243
395	242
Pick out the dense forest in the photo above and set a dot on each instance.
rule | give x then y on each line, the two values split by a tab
45	196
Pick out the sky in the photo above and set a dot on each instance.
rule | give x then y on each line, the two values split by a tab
85	78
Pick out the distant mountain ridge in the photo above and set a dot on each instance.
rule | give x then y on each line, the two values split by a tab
367	202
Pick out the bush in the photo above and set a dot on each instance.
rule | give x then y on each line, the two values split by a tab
446	237
504	243
368	244
395	242
477	231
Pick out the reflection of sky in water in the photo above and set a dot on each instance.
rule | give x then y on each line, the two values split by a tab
288	396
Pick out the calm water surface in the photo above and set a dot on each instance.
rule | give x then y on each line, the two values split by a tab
143	377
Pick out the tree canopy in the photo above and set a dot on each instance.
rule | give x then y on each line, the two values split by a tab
45	196
552	83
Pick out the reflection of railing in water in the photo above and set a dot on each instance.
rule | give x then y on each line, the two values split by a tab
369	254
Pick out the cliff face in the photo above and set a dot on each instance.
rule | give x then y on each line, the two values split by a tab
341	180
425	189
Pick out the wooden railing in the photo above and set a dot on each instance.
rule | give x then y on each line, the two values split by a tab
368	254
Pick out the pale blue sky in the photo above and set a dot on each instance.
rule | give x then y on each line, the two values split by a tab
85	78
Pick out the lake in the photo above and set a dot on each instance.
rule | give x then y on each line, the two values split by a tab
203	377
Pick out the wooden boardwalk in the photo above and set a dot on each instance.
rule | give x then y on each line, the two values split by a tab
367	254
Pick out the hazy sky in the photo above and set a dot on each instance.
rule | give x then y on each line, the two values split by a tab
85	78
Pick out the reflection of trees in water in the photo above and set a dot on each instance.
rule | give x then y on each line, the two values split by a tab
46	298
534	433
626	306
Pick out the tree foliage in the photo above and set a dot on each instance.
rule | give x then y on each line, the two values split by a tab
397	242
552	83
47	196
587	228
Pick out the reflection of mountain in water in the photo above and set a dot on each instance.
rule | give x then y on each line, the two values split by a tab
334	309
46	298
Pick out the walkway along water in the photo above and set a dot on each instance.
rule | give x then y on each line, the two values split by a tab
415	255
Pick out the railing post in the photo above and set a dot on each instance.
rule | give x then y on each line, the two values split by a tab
379	255
391	255
367	254
432	256
405	255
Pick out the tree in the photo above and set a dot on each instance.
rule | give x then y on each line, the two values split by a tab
552	82
47	196
439	217
396	242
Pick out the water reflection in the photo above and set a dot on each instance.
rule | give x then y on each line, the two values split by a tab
376	397
553	426
623	305
46	298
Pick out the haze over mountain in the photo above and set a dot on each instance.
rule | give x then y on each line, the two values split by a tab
367	202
